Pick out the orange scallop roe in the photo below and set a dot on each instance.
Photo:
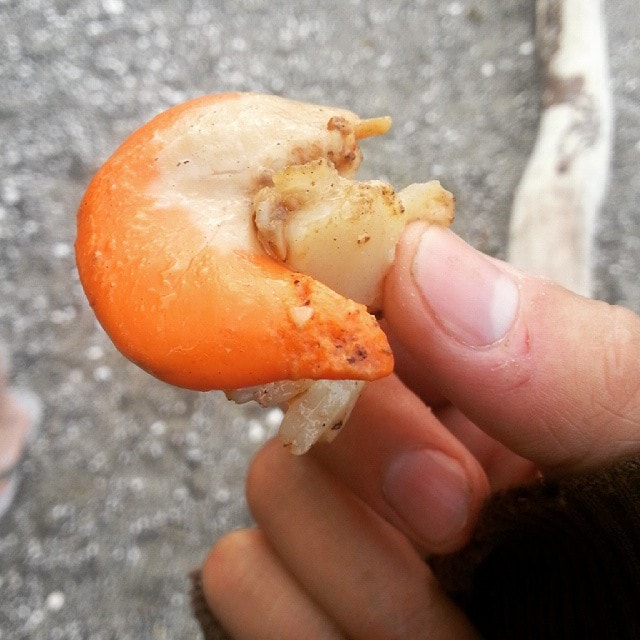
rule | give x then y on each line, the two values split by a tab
196	314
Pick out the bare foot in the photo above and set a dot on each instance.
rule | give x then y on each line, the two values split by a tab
20	415
15	422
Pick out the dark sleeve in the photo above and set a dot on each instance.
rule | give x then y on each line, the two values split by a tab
554	560
210	627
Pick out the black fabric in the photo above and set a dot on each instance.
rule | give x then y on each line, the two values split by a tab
554	560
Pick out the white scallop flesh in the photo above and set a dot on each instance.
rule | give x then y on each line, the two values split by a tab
344	234
316	409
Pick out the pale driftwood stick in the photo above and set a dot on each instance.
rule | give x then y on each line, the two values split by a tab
556	204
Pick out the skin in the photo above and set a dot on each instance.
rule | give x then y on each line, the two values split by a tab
14	426
340	539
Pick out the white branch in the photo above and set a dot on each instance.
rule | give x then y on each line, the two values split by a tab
557	202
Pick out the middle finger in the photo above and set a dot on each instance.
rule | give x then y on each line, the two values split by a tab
398	457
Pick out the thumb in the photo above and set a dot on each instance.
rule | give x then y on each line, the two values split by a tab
552	375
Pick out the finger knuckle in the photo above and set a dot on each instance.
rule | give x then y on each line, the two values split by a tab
619	392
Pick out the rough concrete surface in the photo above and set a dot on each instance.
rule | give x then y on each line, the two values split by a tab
130	481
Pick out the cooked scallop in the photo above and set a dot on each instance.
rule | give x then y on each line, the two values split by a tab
227	245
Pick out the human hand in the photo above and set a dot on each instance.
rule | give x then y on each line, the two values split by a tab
500	377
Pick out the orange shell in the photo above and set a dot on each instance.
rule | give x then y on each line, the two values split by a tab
197	315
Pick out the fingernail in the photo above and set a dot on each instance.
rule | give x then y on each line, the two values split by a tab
474	300
430	492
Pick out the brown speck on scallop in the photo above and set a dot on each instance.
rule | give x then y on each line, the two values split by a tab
339	123
359	355
349	156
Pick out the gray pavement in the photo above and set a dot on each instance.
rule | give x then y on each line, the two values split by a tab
130	481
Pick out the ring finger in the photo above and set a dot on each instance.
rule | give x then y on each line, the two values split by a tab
254	597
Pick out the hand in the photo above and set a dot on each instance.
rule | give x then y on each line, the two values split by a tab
500	377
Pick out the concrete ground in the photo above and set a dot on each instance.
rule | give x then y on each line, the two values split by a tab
130	481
